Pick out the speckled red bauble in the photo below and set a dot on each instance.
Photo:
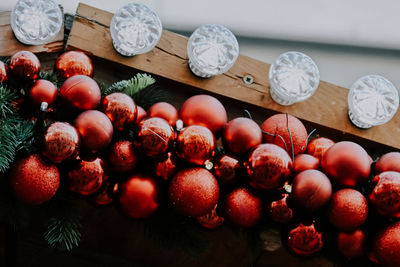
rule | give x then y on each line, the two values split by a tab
319	146
386	246
33	180
351	244
241	134
211	220
120	109
279	210
122	156
227	169
164	110
166	167
3	72
73	63
305	162
43	91
385	196
24	65
141	114
305	240
194	192
388	162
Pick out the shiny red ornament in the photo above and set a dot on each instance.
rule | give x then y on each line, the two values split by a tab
196	144
165	167
120	109
303	162
122	156
386	246
33	180
279	210
165	111
305	240
348	209
73	63
95	130
104	195
211	220
268	167
351	244
24	65
241	134
194	192
347	164
385	196
3	72
388	162
243	207
319	146
43	91
206	111
227	169
141	114
81	92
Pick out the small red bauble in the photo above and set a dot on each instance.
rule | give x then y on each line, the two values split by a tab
385	197
305	240
226	169
347	164
206	111
3	72
319	146
305	162
164	110
141	114
81	92
241	134
120	109
95	129
24	65
194	192
43	91
386	247
351	244
243	207
348	209
280	211
211	220
122	156
388	162
103	196
165	167
268	167
34	181
73	63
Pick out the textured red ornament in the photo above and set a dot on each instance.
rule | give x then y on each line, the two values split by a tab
43	91
280	211
61	142
347	164
34	181
206	111
305	240
319	146
241	134
386	247
278	125
120	109
385	197
81	92
243	207
196	144
311	190
194	192
3	72
305	162
138	196
226	169
268	167
165	111
103	196
348	209
165	167
73	63
141	114
388	162
24	65
211	220
95	129
122	156
351	244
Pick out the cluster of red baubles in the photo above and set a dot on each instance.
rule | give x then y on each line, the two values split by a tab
258	161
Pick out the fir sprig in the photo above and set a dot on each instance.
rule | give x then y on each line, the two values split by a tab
131	86
63	233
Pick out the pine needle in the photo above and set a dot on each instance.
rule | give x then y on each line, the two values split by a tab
63	233
131	86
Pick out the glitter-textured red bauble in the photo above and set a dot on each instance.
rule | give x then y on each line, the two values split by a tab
243	207
34	181
347	164
104	195
73	63
204	110
3	72
141	114
164	110
95	129
385	197
43	91
268	167
351	244
155	136
165	167
386	246
120	109
305	240
319	146
280	211
211	220
278	125
241	134
81	92
388	162
194	192
61	142
226	169
303	162
348	209
24	65
311	190
122	156
196	144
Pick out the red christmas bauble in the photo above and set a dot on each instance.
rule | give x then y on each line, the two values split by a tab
196	144
388	162
347	164
122	156
348	209
226	169
241	134
385	197
305	240
43	91
141	114
3	72
305	162
165	167
206	111
386	247
73	63
81	92
311	190
34	181
211	220
165	111
280	211
319	146
138	196
277	125
95	129
351	244
268	167
104	195
194	192
120	109
243	207
24	65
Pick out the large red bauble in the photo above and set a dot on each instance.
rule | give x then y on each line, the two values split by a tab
81	92
348	209
138	196
388	162
165	167
268	167
3	72
226	169
73	63
280	211
303	162
311	190
241	134
243	207
196	144
34	181
194	192
164	110
141	114
120	109
95	129
347	164
278	125
386	247
211	220
319	146
43	91
204	110
122	156
351	244
24	65
305	240
385	197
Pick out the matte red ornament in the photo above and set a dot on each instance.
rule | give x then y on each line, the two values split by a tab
24	65
73	63
120	109
279	210
385	196
33	180
268	167
211	220
386	246
165	111
43	91
3	72
141	114
227	169
388	162
347	164
104	195
165	167
351	244
122	156
194	192
319	146
303	162
241	134
305	240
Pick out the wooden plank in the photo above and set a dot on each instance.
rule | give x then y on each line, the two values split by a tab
327	107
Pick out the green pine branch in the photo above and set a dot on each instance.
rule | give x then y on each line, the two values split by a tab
63	233
131	86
